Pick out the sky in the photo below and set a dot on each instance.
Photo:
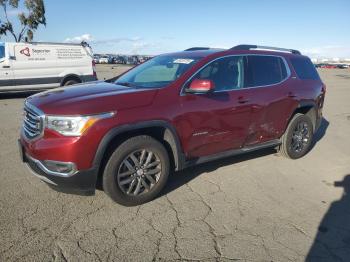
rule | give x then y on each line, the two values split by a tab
317	28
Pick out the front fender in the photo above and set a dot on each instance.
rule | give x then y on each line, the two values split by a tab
170	136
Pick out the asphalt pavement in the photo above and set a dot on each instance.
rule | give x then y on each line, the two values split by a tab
256	207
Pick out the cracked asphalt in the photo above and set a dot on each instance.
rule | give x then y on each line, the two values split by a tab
255	207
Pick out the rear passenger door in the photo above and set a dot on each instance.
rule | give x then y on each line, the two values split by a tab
267	78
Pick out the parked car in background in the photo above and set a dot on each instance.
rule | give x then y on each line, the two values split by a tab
104	59
329	66
143	59
135	60
171	112
148	58
122	60
128	60
36	65
343	66
96	59
132	60
118	60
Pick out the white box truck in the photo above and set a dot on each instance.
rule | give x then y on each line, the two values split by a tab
31	66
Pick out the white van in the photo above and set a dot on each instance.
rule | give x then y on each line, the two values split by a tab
30	66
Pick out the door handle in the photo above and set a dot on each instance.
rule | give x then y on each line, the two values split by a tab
242	100
5	66
291	94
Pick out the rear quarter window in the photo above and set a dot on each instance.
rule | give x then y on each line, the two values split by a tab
304	68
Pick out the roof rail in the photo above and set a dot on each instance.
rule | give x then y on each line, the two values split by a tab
83	43
197	48
248	47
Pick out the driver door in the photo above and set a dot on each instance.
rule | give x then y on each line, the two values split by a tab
6	72
217	121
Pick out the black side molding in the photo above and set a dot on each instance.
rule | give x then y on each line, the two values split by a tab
232	152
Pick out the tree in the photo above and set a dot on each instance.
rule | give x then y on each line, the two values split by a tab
29	20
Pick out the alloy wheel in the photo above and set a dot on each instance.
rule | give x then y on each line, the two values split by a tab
139	172
300	137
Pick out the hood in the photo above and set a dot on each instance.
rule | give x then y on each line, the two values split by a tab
91	98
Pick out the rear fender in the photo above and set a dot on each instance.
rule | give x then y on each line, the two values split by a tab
307	107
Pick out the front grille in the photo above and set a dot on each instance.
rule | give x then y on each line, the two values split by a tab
32	122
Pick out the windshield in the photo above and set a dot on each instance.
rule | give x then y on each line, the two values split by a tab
157	72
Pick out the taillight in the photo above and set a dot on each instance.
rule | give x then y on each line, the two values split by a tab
94	69
321	98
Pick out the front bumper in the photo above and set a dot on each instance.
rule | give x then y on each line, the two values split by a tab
81	182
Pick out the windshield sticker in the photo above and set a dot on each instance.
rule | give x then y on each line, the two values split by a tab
183	61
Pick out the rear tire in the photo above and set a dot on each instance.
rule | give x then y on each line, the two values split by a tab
297	139
71	82
137	171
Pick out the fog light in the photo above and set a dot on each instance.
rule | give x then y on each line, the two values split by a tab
63	168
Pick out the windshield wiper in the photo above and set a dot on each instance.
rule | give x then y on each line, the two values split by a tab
128	84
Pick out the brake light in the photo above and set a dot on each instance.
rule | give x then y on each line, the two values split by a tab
94	69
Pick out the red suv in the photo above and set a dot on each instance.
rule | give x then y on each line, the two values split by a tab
171	112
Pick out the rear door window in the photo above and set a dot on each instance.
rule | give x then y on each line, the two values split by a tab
304	68
264	70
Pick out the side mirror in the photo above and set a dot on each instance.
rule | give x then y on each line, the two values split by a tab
201	86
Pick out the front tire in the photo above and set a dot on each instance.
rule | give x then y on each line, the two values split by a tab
297	139
137	171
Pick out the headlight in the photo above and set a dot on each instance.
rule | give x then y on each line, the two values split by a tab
73	125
